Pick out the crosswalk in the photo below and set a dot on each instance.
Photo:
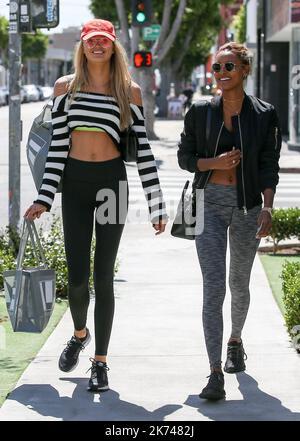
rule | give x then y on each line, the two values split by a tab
172	182
288	191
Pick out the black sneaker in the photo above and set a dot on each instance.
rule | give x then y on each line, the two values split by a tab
70	355
98	381
236	357
215	387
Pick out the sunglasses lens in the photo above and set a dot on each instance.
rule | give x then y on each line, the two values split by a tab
216	67
91	43
229	66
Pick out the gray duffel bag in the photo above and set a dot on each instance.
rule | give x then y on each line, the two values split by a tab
38	143
30	292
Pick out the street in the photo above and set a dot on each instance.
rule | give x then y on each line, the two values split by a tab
172	178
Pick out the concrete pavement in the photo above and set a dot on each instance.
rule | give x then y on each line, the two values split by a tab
157	355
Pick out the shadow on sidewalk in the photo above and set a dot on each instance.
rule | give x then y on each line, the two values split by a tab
44	399
256	405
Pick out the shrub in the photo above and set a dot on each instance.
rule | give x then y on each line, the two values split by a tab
53	246
285	225
291	298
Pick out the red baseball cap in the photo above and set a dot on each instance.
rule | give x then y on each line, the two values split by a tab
98	27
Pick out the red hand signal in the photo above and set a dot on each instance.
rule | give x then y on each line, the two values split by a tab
142	58
138	60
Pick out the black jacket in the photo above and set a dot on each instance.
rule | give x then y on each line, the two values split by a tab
257	135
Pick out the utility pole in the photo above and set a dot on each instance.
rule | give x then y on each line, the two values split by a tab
15	123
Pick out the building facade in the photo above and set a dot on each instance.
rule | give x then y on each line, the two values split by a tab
277	59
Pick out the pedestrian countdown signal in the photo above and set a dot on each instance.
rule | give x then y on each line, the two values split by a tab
142	59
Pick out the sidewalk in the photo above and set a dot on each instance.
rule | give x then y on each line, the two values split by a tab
157	356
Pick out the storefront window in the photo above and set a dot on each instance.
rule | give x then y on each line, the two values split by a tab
295	87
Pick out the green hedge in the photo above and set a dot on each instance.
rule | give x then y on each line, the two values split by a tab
53	246
291	298
285	225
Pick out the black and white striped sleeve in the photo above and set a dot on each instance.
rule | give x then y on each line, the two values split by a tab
147	168
57	154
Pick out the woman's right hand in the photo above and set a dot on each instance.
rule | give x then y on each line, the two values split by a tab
227	161
34	211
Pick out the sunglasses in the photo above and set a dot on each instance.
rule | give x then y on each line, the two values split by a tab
229	66
91	43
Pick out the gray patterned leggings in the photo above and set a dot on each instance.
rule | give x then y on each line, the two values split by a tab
220	214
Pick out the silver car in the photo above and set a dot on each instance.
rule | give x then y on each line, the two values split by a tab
31	93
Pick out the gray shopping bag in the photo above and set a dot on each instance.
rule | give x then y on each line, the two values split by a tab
30	292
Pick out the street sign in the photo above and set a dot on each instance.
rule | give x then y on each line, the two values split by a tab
45	13
151	33
25	24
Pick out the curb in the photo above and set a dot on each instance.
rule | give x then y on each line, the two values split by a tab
289	170
266	248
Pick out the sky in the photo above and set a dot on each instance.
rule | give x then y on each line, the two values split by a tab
72	13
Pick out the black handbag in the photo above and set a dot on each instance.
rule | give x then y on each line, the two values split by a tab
128	145
185	222
185	219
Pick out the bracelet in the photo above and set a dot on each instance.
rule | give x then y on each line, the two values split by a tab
268	209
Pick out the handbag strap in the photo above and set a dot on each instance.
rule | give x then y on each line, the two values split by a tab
207	130
22	247
208	123
29	230
37	246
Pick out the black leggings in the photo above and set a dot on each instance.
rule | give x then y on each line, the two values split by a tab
82	181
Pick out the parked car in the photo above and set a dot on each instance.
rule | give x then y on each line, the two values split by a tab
2	98
31	93
45	92
41	95
22	94
4	90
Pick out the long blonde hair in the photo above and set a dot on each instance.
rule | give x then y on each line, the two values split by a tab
120	79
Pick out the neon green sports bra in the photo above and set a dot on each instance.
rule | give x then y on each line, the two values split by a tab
89	129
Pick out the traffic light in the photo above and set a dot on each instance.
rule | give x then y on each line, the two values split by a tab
141	12
142	59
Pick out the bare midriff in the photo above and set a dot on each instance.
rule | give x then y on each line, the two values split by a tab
93	146
224	177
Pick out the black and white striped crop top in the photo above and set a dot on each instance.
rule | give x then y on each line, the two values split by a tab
98	110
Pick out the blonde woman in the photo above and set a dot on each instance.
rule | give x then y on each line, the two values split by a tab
87	116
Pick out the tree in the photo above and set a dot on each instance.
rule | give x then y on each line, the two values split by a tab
189	25
3	38
200	25
239	24
34	45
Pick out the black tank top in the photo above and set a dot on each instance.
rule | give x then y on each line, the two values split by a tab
226	141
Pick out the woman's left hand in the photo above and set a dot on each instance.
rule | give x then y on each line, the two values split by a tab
264	224
160	227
